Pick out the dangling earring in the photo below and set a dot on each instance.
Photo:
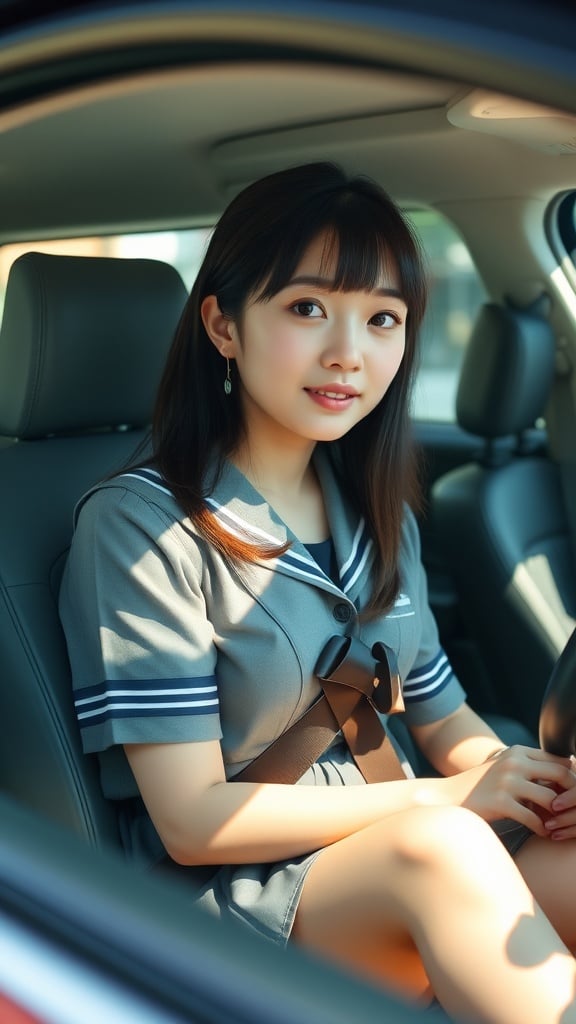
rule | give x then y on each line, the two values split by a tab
228	379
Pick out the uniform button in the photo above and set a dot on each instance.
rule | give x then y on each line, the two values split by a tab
342	612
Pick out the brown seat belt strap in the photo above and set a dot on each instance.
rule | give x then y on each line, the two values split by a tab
299	746
358	683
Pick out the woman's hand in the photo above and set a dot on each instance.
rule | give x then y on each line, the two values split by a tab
526	784
560	823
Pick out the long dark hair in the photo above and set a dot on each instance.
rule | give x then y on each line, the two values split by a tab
254	250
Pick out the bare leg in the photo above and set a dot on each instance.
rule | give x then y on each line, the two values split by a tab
549	869
437	880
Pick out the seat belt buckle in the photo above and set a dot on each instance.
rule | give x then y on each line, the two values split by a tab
372	672
386	671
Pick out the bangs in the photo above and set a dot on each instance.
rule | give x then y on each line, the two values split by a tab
366	243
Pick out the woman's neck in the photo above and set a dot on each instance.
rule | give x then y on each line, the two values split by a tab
285	473
290	486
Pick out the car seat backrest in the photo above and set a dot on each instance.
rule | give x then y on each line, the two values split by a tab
507	373
501	521
82	346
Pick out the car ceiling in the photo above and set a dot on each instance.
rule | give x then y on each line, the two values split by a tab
172	146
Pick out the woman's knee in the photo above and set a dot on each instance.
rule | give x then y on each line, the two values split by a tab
442	838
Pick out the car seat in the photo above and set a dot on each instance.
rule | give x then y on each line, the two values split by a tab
500	520
82	346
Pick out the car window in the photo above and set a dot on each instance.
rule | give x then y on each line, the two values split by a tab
566	224
456	291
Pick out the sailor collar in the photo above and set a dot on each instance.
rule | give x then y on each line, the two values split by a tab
245	513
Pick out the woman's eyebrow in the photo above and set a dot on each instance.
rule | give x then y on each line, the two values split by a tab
328	285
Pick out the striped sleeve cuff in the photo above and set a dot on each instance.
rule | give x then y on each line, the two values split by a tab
146	698
428	681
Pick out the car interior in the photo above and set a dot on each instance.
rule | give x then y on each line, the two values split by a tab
501	519
83	343
149	150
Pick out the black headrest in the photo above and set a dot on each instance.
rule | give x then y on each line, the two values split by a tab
507	372
83	342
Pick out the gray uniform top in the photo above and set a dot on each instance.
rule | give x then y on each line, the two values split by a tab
170	642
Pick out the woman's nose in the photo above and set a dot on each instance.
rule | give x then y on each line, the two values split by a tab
342	349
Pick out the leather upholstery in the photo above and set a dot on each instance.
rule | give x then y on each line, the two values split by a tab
506	374
81	349
79	344
501	521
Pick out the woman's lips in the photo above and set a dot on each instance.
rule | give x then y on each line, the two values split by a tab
334	397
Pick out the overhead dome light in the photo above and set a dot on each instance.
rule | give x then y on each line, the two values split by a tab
542	128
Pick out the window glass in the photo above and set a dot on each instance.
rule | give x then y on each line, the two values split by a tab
456	293
566	222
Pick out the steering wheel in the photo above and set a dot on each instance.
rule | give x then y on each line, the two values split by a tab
557	727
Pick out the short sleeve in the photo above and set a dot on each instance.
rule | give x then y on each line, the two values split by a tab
140	644
431	689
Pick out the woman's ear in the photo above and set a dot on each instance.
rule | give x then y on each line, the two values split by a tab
220	328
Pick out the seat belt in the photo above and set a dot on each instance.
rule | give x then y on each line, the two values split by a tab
359	685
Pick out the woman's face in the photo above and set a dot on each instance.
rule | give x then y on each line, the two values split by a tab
312	362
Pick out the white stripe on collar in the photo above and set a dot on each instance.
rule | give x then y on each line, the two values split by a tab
361	549
146	474
352	554
231	521
300	565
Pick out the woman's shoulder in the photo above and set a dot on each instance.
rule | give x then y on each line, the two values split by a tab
139	487
134	508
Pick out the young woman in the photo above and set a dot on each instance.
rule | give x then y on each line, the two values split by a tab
203	585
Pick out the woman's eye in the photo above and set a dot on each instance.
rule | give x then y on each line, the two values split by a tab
307	309
384	320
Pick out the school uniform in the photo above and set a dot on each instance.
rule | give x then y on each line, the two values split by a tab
170	642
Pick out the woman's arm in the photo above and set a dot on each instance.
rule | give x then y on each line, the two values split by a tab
455	744
202	819
460	741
